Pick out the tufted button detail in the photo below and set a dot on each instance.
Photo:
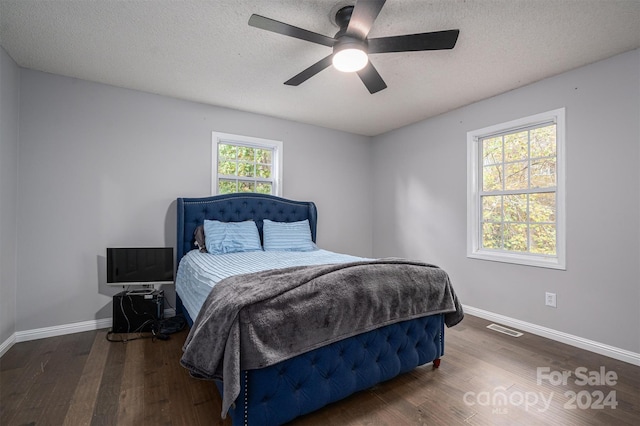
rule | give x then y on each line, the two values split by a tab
320	377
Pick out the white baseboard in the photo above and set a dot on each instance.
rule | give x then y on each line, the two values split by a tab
559	336
59	330
7	344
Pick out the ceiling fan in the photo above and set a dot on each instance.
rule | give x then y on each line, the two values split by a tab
351	46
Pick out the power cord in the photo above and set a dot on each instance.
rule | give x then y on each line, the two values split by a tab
158	335
155	333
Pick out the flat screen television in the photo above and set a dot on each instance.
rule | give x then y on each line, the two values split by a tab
140	265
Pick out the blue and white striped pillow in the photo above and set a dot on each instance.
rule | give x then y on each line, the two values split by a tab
231	237
287	236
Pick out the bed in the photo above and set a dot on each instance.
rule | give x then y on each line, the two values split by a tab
267	389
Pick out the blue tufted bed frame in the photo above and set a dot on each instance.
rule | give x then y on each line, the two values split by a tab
307	382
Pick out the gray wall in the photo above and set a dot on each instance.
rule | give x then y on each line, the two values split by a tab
420	203
9	123
102	166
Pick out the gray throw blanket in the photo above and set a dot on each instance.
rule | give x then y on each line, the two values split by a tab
255	320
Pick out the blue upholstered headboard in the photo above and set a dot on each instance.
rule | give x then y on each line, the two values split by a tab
235	208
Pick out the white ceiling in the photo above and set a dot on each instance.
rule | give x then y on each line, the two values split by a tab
205	51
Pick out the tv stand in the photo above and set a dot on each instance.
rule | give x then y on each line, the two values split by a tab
137	311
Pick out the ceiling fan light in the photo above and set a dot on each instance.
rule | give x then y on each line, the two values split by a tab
350	60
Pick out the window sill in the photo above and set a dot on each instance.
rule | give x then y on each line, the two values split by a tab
519	259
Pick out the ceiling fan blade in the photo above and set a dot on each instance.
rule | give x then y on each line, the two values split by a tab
437	40
362	17
289	30
309	72
371	79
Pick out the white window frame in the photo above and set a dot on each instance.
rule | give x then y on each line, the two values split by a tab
250	141
474	207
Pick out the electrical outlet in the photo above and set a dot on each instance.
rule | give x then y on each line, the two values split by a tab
550	299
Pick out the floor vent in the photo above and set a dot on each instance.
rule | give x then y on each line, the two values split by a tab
504	330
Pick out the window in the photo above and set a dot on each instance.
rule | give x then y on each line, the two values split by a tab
246	164
516	191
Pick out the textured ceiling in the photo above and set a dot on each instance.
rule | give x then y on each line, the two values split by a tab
205	51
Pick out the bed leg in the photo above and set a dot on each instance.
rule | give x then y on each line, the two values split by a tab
436	363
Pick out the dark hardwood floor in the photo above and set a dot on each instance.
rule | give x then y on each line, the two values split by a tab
486	378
